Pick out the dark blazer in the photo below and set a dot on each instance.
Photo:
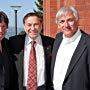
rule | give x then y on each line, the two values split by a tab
78	73
17	45
8	73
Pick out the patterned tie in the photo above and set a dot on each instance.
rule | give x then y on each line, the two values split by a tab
32	69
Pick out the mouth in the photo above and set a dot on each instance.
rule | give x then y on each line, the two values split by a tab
33	31
67	29
1	34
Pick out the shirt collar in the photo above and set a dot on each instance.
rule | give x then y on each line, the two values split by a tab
28	40
73	38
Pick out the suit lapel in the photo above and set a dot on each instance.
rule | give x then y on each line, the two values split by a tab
45	52
19	65
78	52
47	55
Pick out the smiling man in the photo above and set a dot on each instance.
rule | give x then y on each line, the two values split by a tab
22	44
70	67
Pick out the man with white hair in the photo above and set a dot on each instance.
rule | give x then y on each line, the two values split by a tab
70	67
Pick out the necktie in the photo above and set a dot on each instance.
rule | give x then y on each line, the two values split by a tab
32	69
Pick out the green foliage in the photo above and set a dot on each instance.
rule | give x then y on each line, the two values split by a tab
39	4
22	33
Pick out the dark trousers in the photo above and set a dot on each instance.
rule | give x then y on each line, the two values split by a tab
39	88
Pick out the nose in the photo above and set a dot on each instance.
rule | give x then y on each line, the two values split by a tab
66	24
32	27
0	29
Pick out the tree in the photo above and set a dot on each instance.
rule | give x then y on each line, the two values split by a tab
39	4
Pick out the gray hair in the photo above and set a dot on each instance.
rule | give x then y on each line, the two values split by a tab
65	9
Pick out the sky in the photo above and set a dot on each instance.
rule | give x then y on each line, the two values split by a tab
26	6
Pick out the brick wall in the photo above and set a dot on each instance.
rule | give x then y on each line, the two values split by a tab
52	6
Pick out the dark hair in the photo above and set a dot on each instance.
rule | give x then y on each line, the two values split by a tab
3	17
31	14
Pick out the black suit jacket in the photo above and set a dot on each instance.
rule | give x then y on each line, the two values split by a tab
17	45
78	73
8	73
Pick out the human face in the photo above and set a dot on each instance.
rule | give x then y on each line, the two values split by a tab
3	29
33	26
68	24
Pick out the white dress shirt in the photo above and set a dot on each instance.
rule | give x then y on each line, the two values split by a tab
63	58
39	57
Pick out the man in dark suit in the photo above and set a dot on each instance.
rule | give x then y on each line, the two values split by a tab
8	73
21	45
70	67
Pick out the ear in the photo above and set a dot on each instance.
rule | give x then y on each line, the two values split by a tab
41	26
77	22
59	26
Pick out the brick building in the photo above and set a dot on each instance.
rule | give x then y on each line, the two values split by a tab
52	6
